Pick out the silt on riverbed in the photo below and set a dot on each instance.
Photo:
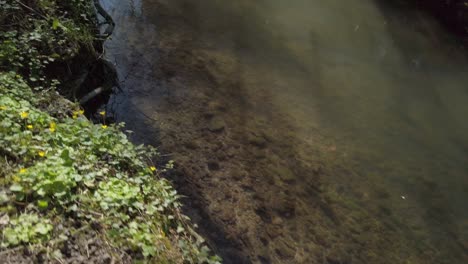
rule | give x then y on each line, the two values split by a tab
303	131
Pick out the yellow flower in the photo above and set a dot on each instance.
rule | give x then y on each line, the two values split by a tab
29	127
41	153
104	126
22	170
24	115
2	107
103	113
77	113
153	168
52	127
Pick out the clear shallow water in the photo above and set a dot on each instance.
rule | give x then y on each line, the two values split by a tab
304	131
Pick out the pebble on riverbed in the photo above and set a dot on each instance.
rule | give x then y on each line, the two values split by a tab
216	124
283	173
256	140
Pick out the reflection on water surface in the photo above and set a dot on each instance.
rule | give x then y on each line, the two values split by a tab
304	131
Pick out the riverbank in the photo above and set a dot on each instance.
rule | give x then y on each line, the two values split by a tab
72	191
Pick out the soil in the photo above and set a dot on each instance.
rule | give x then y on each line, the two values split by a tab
82	247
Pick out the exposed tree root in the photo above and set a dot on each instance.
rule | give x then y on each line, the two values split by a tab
108	20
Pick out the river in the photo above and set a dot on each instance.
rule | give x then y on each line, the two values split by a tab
303	131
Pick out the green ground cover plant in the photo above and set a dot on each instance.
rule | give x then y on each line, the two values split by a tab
60	174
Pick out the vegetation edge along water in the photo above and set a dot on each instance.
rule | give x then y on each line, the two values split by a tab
71	190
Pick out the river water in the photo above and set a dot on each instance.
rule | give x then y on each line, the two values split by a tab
303	131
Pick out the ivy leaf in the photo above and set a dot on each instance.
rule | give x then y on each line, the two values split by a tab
73	208
11	236
42	204
180	229
66	157
78	177
42	228
16	188
55	24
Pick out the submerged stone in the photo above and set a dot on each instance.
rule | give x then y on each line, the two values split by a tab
192	144
216	124
284	173
256	140
213	166
285	249
277	220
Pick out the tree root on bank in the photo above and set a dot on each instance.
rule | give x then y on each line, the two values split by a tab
91	95
108	20
78	83
109	80
101	70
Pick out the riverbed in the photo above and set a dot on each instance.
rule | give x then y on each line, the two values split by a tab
302	131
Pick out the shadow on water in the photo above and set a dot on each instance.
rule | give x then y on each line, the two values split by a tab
303	132
440	59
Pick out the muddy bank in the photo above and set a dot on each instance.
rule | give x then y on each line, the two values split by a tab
268	177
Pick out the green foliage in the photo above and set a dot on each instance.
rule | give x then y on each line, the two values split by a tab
51	178
116	193
60	170
43	33
73	165
27	228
